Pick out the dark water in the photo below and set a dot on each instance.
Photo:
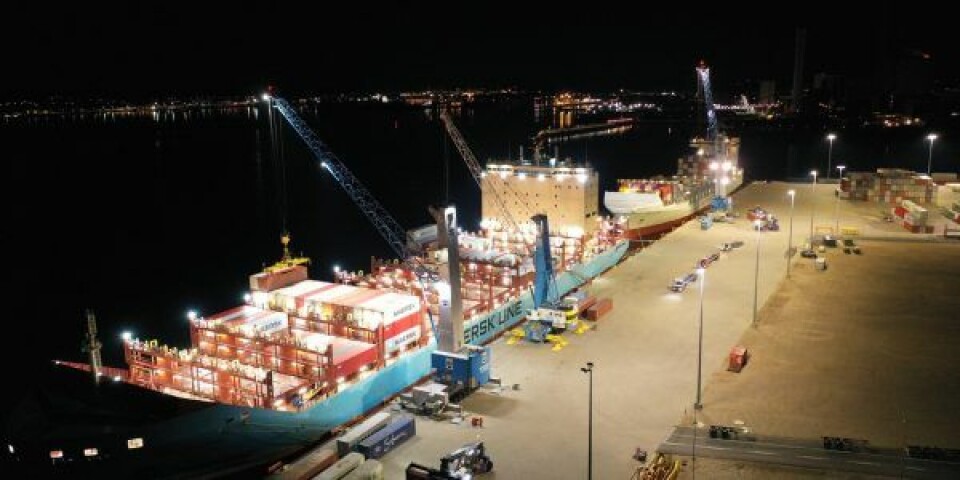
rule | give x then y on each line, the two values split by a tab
143	218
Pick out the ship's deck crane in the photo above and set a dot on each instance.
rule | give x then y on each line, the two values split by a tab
719	202
462	368
495	185
703	74
548	314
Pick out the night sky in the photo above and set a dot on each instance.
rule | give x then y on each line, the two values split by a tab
167	48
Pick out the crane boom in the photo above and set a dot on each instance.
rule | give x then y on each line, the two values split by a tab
703	74
389	228
494	183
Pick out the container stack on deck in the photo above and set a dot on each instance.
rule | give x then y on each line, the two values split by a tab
495	265
294	343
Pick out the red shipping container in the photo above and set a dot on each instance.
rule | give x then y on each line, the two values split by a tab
587	303
599	309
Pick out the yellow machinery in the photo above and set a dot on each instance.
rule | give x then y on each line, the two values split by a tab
288	260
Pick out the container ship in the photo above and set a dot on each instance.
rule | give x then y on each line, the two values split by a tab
648	208
301	357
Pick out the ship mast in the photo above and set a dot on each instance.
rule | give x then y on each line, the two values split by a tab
92	346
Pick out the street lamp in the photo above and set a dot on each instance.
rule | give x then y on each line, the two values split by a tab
813	196
701	272
836	204
793	196
715	169
589	370
931	137
831	137
756	274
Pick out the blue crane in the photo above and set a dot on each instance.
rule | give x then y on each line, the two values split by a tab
462	368
703	74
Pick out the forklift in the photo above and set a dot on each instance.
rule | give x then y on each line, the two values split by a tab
461	464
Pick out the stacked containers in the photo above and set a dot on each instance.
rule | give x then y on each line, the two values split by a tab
890	186
350	439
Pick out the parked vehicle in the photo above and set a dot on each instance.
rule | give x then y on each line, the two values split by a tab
808	253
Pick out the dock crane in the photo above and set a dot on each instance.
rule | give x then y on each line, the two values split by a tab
462	368
718	203
548	313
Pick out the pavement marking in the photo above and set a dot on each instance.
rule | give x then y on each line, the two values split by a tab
916	468
863	463
811	457
759	452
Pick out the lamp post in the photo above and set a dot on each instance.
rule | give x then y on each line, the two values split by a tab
793	196
836	204
701	272
813	197
756	274
830	137
715	169
931	137
589	370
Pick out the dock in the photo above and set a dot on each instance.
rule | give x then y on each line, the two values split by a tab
645	350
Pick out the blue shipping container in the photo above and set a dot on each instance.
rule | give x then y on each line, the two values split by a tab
388	437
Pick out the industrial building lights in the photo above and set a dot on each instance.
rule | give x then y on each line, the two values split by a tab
813	191
830	137
126	336
701	273
191	315
793	197
931	138
836	204
247	297
589	370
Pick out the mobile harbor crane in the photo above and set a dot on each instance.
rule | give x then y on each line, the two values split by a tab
461	368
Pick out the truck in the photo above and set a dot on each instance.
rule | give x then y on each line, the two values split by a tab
463	463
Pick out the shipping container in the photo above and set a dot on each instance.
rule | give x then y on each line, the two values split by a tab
401	429
308	466
368	470
352	437
343	467
269	281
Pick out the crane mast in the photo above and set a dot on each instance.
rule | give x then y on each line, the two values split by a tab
389	228
703	74
494	184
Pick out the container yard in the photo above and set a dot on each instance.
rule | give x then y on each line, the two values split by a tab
888	185
657	330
